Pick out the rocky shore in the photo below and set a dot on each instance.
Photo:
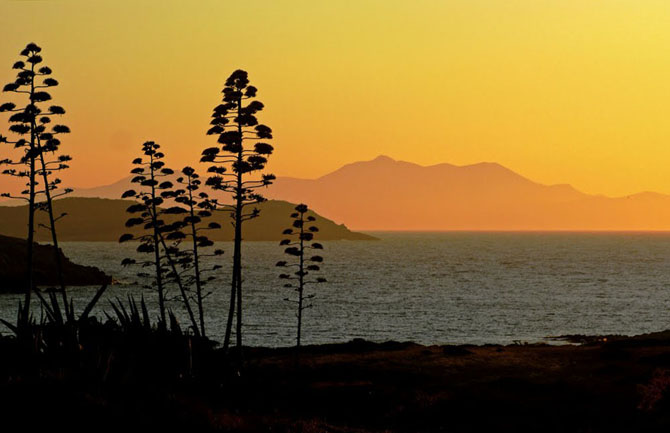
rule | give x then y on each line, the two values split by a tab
13	267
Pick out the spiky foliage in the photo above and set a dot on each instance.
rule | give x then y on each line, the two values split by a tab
236	170
37	141
51	333
198	206
126	347
298	243
158	238
135	318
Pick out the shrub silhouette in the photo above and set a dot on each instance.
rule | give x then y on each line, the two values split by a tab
157	233
298	242
242	154
35	139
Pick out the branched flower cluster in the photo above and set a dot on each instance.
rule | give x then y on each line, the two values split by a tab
31	123
243	150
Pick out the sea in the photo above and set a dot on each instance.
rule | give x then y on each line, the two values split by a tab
430	288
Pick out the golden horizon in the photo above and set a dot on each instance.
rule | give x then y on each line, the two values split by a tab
559	92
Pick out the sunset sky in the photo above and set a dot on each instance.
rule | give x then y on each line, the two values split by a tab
562	91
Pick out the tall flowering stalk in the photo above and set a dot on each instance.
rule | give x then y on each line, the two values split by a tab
236	170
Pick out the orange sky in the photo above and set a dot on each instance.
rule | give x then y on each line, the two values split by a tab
562	91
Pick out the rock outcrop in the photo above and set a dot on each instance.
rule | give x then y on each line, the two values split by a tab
13	267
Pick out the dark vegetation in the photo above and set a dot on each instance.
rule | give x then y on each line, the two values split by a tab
146	380
60	370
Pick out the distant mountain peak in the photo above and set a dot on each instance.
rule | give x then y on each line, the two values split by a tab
486	164
383	158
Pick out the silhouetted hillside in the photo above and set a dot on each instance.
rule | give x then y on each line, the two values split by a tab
95	219
13	267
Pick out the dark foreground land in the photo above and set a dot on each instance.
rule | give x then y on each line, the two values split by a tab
150	383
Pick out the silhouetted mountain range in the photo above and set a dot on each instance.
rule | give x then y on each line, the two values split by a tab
385	194
96	219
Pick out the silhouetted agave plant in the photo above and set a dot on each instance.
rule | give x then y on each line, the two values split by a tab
134	319
31	123
242	154
299	242
156	232
198	206
131	319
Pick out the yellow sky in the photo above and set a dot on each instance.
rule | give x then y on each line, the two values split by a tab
561	91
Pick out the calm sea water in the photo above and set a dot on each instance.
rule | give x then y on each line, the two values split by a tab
434	288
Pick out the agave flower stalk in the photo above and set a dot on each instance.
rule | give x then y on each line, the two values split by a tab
298	243
238	163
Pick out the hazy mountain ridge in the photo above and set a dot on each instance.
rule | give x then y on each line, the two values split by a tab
111	191
384	194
